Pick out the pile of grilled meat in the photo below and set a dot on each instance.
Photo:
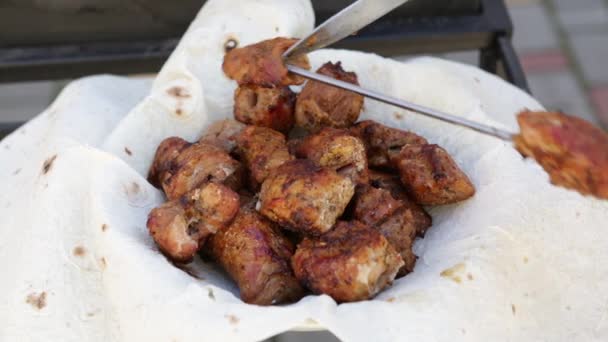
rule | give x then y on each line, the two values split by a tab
334	211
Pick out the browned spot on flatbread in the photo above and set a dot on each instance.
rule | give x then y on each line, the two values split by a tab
513	309
232	319
37	300
179	111
469	276
398	115
526	260
103	263
104	227
391	299
132	189
210	294
79	251
179	92
127	151
454	273
48	164
16	172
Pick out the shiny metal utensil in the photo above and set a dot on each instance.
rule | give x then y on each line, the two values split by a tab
403	104
343	24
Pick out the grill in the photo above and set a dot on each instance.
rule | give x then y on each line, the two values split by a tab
59	39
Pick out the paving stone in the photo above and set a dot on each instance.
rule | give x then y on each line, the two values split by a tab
584	20
576	5
599	98
22	101
591	51
317	336
533	30
561	91
544	61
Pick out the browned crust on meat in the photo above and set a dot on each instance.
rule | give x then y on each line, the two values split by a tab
271	107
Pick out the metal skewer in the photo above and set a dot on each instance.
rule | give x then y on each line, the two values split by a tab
493	131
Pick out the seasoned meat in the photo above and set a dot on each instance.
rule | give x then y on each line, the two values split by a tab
383	142
262	150
223	134
256	255
431	176
351	262
166	152
262	64
211	207
400	231
293	145
337	150
372	205
422	221
572	151
378	209
303	197
320	105
270	107
181	226
198	164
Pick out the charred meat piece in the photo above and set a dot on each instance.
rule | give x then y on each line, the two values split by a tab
265	106
372	205
338	150
572	151
304	197
223	134
262	150
198	164
262	64
181	226
256	255
166	152
431	176
351	262
383	142
400	231
320	105
421	220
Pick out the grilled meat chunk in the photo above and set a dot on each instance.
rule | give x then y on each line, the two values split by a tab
270	107
431	176
372	205
400	231
262	150
181	226
338	150
382	143
198	164
351	262
256	255
572	151
166	152
304	197
421	220
320	105
262	64
223	134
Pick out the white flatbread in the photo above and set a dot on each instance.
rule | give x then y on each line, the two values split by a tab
520	261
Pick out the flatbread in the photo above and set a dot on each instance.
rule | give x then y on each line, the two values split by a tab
522	260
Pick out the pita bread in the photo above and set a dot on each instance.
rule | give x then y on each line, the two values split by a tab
522	260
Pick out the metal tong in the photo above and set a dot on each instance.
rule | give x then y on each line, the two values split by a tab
347	22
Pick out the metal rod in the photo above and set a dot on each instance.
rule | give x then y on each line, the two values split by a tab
489	130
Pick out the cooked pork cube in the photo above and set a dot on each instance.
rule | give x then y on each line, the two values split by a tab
351	262
262	63
338	150
257	256
166	152
181	226
431	176
372	205
400	231
422	221
304	197
270	107
198	164
223	134
320	105
262	150
383	142
572	151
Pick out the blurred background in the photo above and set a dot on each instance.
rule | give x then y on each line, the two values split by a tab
556	49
